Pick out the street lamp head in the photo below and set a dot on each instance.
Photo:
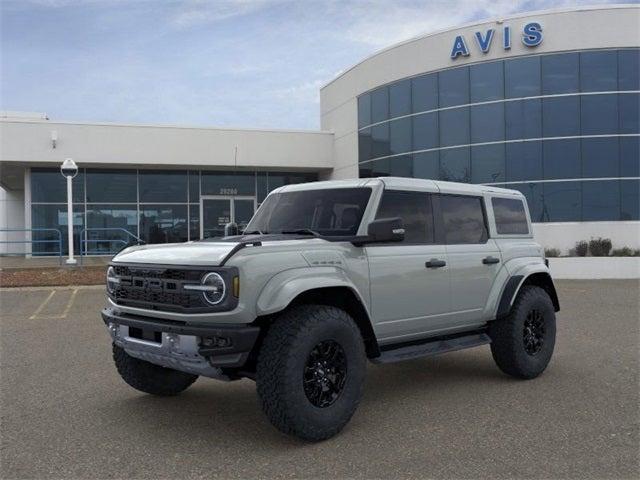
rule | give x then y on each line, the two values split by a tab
69	169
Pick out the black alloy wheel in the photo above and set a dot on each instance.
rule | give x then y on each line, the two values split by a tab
533	332
325	373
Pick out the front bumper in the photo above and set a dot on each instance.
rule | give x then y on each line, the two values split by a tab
199	349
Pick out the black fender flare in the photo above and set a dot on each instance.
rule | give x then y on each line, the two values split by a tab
516	282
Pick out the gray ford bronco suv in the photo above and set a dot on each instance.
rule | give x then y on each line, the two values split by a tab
326	276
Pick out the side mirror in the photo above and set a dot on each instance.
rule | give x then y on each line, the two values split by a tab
383	230
230	229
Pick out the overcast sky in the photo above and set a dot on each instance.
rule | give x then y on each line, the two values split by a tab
245	63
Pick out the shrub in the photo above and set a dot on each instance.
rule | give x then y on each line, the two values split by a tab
636	252
600	247
551	252
622	252
581	248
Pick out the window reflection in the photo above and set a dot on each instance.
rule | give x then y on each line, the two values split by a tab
400	135
599	114
163	186
106	226
600	201
487	164
424	93
55	217
600	157
630	200
455	165
522	77
49	186
561	159
598	71
106	186
163	223
400	99
561	202
453	86
560	73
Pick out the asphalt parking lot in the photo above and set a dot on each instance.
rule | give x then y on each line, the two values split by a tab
67	414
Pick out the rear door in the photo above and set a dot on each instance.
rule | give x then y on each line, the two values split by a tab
473	258
408	297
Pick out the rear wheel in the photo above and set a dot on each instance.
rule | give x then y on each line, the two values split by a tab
522	343
150	378
310	371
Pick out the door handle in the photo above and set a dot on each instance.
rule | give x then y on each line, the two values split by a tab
490	260
435	263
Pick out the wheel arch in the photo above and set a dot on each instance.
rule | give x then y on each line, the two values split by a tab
515	283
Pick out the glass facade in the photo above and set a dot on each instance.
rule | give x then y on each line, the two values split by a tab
158	206
561	128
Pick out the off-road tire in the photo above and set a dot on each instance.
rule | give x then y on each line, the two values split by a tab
507	342
281	365
150	378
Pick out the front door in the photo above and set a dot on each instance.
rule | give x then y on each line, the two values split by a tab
217	210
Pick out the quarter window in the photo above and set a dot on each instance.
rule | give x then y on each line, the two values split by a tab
510	216
463	219
414	208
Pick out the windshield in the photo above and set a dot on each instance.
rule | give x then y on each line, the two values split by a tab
330	212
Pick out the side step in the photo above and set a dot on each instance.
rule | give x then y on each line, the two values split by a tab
432	346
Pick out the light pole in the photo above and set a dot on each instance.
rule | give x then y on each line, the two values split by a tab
69	170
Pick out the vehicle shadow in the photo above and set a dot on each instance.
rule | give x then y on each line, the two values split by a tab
212	410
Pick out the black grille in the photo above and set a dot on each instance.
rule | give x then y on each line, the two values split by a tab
158	288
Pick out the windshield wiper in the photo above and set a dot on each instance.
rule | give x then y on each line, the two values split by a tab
301	231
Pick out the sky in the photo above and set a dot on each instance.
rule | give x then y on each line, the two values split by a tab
227	63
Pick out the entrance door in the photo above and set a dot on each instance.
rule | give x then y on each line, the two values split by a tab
216	211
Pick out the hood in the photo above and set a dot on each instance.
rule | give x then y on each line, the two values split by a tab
192	253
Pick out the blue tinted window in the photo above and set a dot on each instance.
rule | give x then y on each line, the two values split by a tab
380	168
630	156
599	71
380	140
453	87
487	123
379	105
400	135
560	73
562	202
629	70
487	81
487	164
425	131
401	166
49	186
630	200
225	183
114	217
194	221
523	119
426	165
533	194
561	116
163	186
522	77
455	165
364	110
53	216
365	147
454	127
561	159
523	161
600	157
163	223
400	98
599	114
629	112
600	201
112	186
424	92
194	186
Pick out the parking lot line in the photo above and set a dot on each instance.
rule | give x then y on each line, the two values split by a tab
42	305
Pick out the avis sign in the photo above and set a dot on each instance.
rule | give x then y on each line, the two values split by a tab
531	37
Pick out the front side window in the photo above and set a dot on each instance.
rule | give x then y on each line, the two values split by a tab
329	212
463	219
414	208
510	216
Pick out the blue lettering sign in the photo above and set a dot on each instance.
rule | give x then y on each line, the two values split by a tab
506	38
485	43
459	48
532	35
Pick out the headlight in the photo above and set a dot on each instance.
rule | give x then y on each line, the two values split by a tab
112	280
212	287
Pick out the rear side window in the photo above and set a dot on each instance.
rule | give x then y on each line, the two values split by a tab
463	219
510	216
414	208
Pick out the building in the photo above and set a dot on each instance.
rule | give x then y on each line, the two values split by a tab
545	102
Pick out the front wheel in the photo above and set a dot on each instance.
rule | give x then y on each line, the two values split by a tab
311	371
522	343
150	378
